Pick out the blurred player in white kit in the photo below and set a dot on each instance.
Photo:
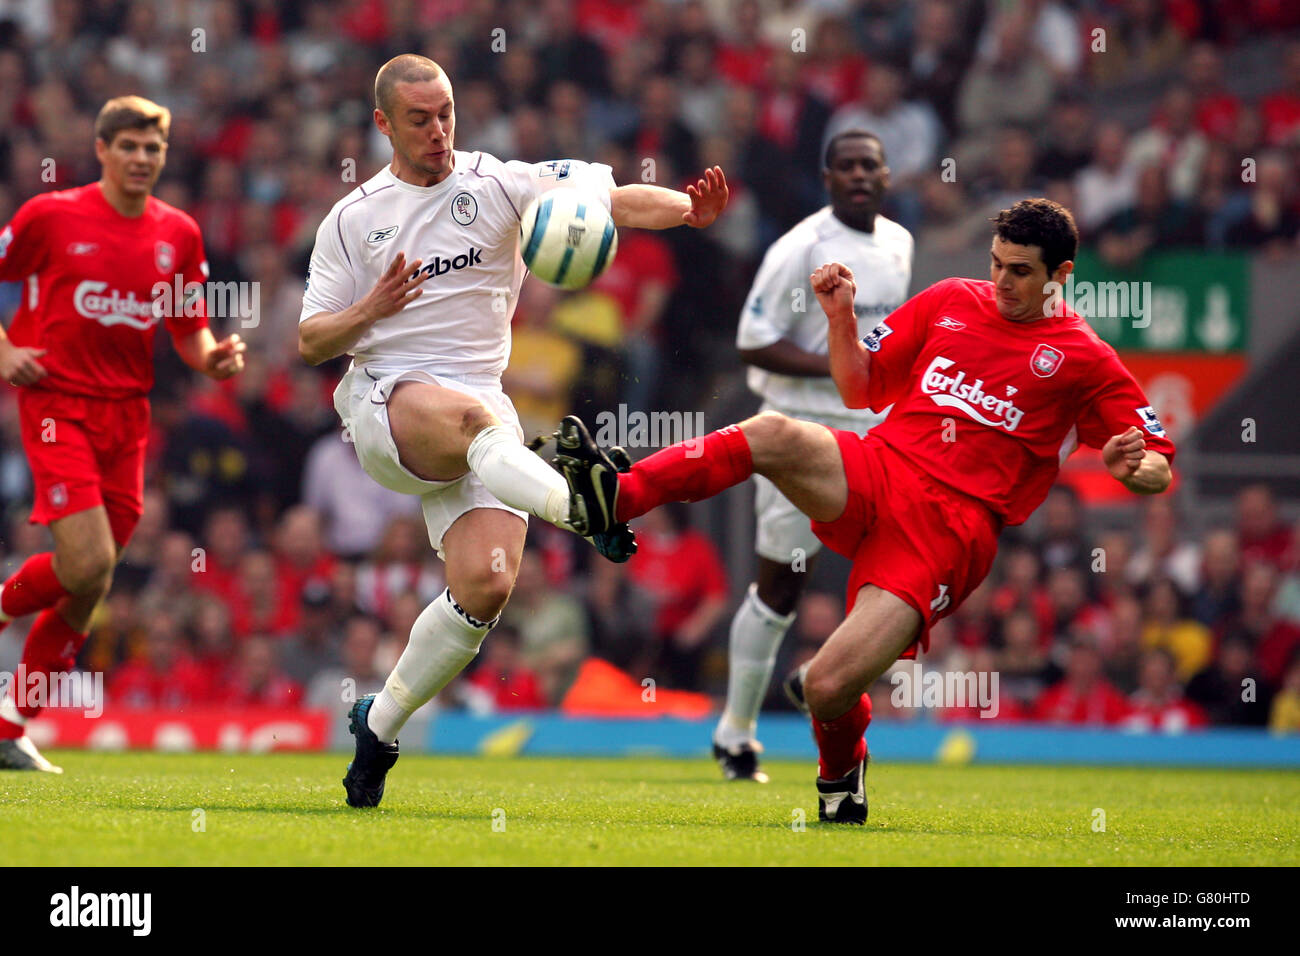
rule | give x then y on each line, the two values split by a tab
416	273
783	337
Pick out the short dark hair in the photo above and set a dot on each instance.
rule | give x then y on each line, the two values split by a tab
838	138
406	68
1043	223
131	112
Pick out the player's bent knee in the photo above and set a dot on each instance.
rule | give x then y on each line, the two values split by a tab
87	572
828	694
485	595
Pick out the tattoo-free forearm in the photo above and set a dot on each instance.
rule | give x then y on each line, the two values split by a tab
850	361
785	358
642	206
329	334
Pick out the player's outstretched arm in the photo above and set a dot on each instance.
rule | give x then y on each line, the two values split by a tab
850	361
1141	471
329	334
653	207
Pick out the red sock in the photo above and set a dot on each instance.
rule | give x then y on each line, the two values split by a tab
52	645
840	743
33	587
688	471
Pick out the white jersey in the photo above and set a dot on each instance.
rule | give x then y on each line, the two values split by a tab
781	305
466	231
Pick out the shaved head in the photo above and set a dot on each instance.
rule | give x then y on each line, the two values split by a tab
407	68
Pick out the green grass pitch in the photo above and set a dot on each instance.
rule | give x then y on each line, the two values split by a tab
140	809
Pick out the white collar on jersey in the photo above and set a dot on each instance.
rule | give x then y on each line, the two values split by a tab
436	188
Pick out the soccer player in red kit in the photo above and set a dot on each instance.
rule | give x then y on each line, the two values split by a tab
95	260
993	384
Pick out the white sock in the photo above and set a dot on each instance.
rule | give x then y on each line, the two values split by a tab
517	476
443	640
756	633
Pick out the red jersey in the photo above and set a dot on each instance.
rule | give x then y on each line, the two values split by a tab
90	295
990	407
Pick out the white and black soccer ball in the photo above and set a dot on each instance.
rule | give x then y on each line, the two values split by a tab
567	238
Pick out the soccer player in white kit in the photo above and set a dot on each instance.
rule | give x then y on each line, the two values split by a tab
782	336
416	274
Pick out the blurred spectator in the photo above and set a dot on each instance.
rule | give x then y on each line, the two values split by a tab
1218	597
1122	648
1141	44
1021	588
567	54
835	73
743	56
503	679
1164	552
1063	542
1158	703
314	644
1154	221
1069	144
1229	689
1168	625
1271	221
353	672
1013	86
1053	31
1022	661
938	59
681	568
620	615
974	623
1108	183
300	554
400	564
164	676
552	627
1281	108
353	507
1262	534
257	681
1284	717
1084	696
1173	144
1217	109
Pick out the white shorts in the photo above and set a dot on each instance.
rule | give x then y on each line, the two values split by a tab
361	401
784	532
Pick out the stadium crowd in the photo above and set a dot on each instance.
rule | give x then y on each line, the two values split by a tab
268	569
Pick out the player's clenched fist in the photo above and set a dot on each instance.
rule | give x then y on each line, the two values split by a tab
1123	453
835	289
397	288
19	365
226	358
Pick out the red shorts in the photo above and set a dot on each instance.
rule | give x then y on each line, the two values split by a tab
85	452
908	534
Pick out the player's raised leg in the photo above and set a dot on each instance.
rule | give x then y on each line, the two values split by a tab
802	459
441	433
81	569
482	549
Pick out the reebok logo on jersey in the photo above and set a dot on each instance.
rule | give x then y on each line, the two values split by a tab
82	248
379	235
1150	421
113	308
873	338
440	266
953	391
947	322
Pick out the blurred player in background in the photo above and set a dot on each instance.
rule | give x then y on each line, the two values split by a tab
430	337
80	351
992	383
783	338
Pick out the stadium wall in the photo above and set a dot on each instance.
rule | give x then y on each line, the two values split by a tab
549	734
